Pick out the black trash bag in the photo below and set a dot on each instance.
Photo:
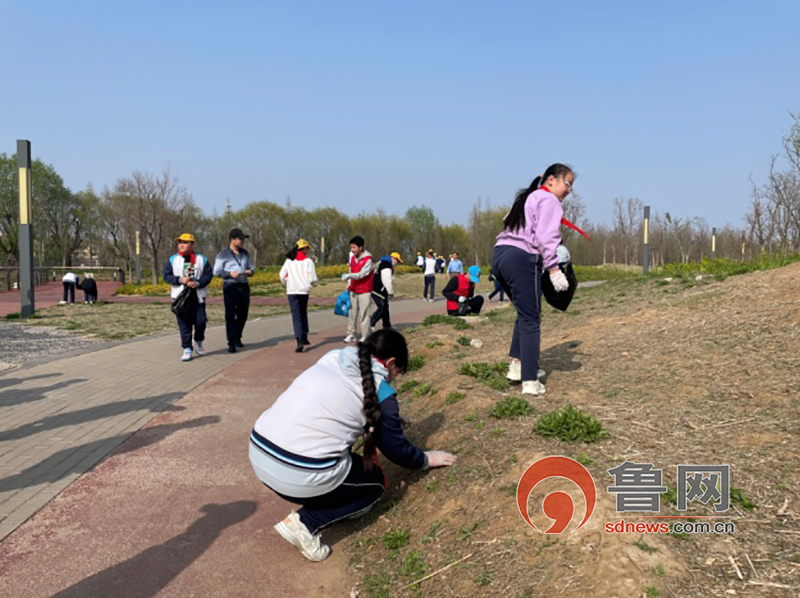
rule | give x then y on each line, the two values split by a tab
185	305
560	300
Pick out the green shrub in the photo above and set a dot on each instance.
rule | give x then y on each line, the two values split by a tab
416	363
738	497
396	539
463	341
434	344
721	267
422	390
491	374
458	323
408	386
454	397
571	425
511	408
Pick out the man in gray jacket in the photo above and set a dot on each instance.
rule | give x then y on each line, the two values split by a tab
234	265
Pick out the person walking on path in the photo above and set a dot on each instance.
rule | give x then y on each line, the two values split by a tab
460	293
298	275
384	289
301	447
430	277
89	288
234	266
70	281
497	288
455	267
187	268
360	284
439	264
526	245
420	263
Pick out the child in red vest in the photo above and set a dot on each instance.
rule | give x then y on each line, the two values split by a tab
360	285
460	293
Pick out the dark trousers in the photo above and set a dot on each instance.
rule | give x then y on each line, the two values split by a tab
497	289
199	327
87	296
381	313
69	287
299	306
430	282
520	276
475	305
237	304
360	490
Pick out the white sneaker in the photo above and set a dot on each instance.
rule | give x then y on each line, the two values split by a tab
533	387
293	531
198	348
187	355
515	372
349	339
62	302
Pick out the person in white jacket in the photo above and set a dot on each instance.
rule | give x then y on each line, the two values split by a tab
298	275
384	288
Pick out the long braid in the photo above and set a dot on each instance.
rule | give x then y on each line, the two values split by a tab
371	410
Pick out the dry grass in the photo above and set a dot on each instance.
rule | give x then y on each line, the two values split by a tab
677	373
117	321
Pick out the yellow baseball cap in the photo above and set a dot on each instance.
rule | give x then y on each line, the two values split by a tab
301	243
396	256
184	237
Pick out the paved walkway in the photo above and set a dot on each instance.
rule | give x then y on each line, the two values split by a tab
165	496
49	294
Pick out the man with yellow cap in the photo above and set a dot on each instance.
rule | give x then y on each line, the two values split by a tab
234	266
187	268
383	288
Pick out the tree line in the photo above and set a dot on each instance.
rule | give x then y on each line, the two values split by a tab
99	228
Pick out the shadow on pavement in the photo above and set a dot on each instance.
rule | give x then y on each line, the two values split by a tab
150	571
14	381
10	398
155	404
80	458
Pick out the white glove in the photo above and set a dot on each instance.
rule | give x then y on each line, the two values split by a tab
345	277
559	281
462	299
439	458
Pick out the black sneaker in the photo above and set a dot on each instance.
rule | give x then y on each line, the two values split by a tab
299	348
239	344
304	340
231	348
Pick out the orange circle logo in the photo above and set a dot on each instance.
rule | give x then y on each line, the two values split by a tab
558	506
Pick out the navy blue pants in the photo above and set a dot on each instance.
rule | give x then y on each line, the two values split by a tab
497	289
520	276
298	304
237	306
381	312
199	327
359	491
430	282
69	287
475	304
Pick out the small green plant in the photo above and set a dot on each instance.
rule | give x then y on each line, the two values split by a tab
511	408
422	390
513	459
415	565
509	489
432	534
452	475
377	586
453	398
464	341
571	425
645	547
497	432
491	374
652	592
434	344
485	578
416	363
480	425
471	417
432	486
468	530
407	386
396	539
671	495
458	323
738	497
659	571
584	460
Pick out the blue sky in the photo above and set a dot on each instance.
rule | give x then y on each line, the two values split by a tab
390	104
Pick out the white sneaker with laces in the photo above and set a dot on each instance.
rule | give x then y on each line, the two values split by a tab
310	546
187	355
198	348
349	339
515	372
62	302
533	387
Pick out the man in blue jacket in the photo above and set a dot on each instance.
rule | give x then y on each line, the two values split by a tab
234	266
187	268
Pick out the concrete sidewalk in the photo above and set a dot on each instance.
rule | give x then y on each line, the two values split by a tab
50	293
176	509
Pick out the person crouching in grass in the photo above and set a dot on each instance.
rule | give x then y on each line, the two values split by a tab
301	447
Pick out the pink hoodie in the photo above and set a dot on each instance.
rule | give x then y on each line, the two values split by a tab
541	234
